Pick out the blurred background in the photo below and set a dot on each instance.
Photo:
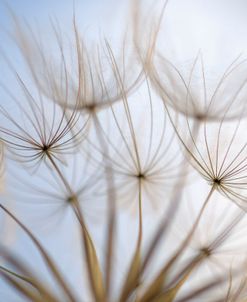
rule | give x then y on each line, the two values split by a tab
216	28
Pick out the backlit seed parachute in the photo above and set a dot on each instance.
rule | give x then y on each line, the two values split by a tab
33	128
141	147
197	92
77	74
86	180
220	236
188	85
218	151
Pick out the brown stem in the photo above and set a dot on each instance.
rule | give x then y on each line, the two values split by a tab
174	204
89	248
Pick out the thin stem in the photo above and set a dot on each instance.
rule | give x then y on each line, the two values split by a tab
140	234
173	203
112	210
140	214
132	279
66	184
91	255
192	231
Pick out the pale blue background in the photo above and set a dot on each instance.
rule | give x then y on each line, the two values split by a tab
218	28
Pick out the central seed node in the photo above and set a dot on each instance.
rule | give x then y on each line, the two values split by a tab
71	199
45	148
205	251
217	181
140	175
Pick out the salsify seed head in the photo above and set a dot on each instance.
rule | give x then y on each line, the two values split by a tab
217	150
102	126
